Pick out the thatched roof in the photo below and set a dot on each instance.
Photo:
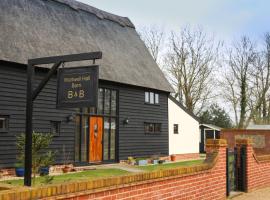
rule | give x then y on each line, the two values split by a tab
41	28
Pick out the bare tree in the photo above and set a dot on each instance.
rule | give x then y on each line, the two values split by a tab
260	85
230	93
241	61
153	38
190	61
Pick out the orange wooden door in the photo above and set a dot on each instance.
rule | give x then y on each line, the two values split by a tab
96	132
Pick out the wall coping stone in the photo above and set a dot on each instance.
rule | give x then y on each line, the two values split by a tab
245	141
216	143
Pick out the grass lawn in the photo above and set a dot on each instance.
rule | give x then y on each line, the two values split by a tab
170	165
89	174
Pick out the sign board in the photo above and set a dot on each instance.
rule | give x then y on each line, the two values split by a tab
77	87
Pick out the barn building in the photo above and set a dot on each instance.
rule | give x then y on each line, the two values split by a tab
131	118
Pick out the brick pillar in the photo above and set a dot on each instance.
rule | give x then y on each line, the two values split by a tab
215	145
217	148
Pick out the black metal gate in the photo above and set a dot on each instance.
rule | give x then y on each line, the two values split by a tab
236	170
231	166
241	183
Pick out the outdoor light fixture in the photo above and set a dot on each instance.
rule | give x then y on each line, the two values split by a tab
70	118
126	121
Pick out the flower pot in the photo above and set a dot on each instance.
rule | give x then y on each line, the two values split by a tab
43	171
173	157
19	171
67	169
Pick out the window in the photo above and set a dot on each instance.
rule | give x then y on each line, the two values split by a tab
175	129
156	98
4	122
152	128
55	128
146	97
107	102
151	98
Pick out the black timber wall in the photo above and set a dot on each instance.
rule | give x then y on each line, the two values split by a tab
12	103
132	139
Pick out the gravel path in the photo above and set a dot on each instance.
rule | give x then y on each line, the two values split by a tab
262	194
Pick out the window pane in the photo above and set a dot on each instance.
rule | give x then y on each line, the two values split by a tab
107	101
85	132
146	96
77	138
157	128
209	134
113	129
85	110
106	139
146	127
100	101
55	128
113	103
92	110
151	97
3	122
156	98
151	128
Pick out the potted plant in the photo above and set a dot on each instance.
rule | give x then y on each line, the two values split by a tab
40	142
46	162
19	169
131	161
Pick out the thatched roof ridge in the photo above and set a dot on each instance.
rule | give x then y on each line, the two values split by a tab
41	28
123	21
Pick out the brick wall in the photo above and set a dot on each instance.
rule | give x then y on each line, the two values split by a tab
204	181
258	167
261	138
187	156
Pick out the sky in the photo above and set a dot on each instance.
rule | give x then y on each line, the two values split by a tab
227	19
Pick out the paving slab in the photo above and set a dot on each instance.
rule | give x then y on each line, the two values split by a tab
262	194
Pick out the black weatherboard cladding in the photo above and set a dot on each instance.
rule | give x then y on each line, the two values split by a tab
132	139
12	103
